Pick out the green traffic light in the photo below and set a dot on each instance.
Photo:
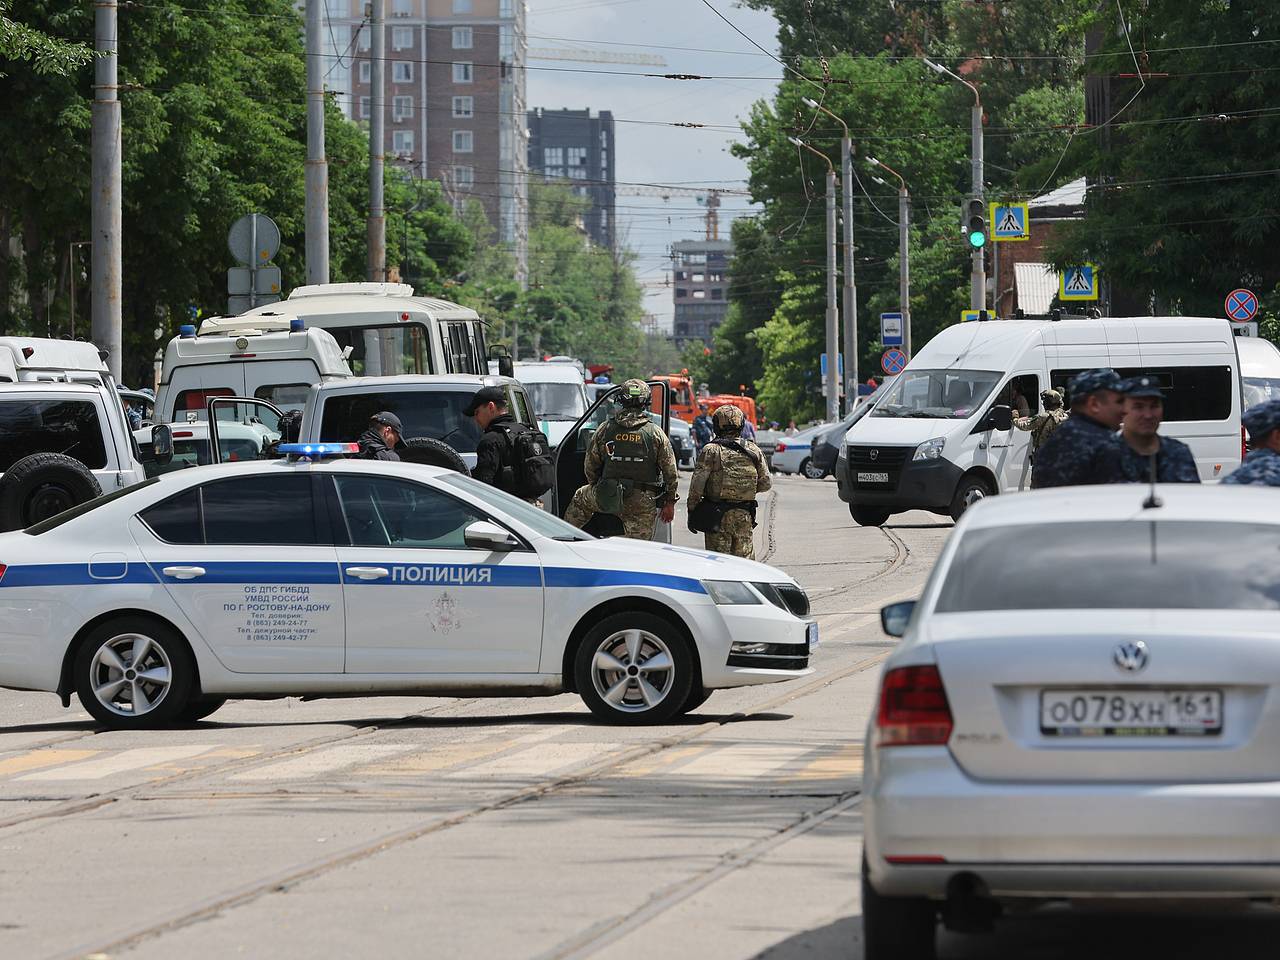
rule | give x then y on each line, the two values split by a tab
977	238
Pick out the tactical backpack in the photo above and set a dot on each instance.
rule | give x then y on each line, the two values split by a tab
532	466
630	453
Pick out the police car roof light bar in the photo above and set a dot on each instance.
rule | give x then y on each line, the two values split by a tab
318	451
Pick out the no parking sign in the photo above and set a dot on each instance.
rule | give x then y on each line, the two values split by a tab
893	361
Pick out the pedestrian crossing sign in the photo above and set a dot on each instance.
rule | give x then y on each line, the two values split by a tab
1010	221
1078	283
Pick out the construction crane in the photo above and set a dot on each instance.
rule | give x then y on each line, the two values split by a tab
578	55
707	197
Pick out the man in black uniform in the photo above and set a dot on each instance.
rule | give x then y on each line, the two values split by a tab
1085	449
378	442
494	450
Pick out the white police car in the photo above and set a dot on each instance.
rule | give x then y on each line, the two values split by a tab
337	577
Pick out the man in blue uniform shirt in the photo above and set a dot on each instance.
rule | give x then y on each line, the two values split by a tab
1142	447
1262	465
1085	449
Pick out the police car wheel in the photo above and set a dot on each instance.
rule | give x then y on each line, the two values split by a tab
811	470
198	709
697	697
970	491
134	672
634	668
868	516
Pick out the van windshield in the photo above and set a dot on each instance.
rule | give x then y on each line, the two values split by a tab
1260	389
937	394
557	401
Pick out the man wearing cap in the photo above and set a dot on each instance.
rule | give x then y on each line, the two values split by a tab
1262	465
378	442
1085	449
1042	426
630	468
494	449
1142	449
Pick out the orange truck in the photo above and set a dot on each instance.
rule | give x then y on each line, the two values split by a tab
746	404
683	404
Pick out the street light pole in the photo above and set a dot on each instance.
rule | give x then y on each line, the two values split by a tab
850	303
833	312
978	282
904	250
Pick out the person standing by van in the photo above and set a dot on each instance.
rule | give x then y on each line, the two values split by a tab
1085	449
378	442
1262	465
1043	425
510	455
1142	447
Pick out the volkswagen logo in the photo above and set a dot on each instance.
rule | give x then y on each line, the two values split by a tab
1130	657
874	454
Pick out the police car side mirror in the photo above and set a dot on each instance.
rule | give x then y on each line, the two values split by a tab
162	443
1000	418
483	535
896	616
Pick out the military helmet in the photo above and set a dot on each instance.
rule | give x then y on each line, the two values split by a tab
728	419
1051	398
635	393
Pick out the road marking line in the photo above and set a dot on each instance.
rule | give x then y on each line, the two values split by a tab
660	761
536	761
740	761
324	761
42	758
457	754
835	765
120	762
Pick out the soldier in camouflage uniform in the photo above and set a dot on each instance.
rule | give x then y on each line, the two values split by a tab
730	471
1262	465
1085	449
1140	443
631	469
1042	425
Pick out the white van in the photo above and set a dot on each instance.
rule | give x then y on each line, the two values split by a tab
558	393
939	439
390	330
1259	369
36	359
271	358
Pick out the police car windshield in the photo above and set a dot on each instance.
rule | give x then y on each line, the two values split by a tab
556	401
1114	565
937	394
536	519
1260	389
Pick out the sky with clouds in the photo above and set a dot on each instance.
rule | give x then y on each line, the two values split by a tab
649	150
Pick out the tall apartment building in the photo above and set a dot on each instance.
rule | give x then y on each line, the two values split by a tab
454	96
700	284
574	145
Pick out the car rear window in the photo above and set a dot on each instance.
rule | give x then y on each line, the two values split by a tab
51	426
1111	565
424	413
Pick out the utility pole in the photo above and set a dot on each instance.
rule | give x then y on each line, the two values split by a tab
850	284
904	250
832	382
377	119
105	217
317	170
978	281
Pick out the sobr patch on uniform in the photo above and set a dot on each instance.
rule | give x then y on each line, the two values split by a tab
1078	283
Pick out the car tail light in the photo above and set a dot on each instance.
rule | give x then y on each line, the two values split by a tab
780	447
3	568
913	708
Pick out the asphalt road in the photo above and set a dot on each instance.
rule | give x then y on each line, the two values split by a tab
418	827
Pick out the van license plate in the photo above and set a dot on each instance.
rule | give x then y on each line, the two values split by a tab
873	478
1130	713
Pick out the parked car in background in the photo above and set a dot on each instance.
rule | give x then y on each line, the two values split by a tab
793	454
558	394
682	444
1259	369
237	441
826	445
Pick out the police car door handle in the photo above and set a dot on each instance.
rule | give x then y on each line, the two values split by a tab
183	573
368	573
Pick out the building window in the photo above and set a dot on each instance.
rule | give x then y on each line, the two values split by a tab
402	108
463	141
401	38
681	292
506	8
402	8
462	38
576	156
717	293
402	143
506	42
464	177
462	72
680	275
463	108
553	173
366	71
402	71
699	294
552	157
577	173
364	108
461	6
364	37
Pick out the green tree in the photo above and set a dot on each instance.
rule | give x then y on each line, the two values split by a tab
46	55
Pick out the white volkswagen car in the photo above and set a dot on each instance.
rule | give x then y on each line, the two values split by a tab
313	577
1083	706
